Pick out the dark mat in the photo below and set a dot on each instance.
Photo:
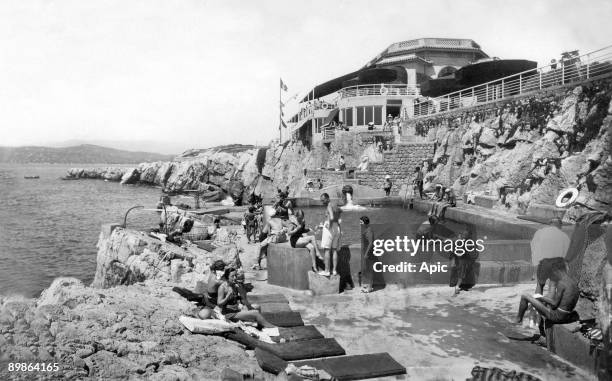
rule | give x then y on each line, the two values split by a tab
205	245
269	362
294	350
268	298
284	319
305	332
357	367
274	307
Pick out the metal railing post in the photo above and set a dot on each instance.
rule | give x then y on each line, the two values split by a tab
562	71
540	81
588	64
487	93
502	89
520	83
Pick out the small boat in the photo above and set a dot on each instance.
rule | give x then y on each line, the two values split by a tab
31	177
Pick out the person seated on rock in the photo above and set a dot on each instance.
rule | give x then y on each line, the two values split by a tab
275	232
211	288
437	198
232	307
560	308
299	239
176	236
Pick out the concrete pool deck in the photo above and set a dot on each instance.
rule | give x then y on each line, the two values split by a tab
434	335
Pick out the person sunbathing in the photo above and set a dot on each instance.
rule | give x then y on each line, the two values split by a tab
231	304
211	289
299	239
558	309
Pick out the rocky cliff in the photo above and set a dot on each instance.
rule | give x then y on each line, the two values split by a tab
527	149
126	325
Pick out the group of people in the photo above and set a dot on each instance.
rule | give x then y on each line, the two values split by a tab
442	198
286	223
225	294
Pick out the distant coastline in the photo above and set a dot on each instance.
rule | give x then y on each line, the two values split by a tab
84	153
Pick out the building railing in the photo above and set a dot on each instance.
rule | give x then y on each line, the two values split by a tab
378	90
570	70
329	133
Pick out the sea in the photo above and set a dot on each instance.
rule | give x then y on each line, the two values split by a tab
49	227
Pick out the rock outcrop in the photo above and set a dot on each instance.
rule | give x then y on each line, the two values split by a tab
527	149
126	326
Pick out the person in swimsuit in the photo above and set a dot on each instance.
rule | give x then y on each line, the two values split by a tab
217	270
298	239
330	239
231	305
275	233
559	308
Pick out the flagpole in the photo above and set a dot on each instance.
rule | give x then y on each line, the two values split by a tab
280	116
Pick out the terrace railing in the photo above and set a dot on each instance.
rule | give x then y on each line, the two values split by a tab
378	90
329	133
571	70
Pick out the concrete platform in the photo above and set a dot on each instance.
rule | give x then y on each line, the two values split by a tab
322	285
544	211
575	348
288	267
512	227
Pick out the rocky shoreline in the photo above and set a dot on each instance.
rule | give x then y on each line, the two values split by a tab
125	325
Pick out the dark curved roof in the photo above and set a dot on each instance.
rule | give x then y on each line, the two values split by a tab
389	74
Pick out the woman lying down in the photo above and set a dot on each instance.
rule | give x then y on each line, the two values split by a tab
233	305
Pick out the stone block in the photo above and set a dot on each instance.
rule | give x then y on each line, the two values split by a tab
485	201
107	229
322	285
545	211
506	250
287	266
575	348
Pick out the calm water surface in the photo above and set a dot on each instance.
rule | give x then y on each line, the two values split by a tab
49	227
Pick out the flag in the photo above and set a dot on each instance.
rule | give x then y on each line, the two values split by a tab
282	113
282	85
282	104
282	123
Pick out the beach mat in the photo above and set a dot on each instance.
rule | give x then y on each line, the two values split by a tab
284	319
205	245
274	307
294	350
305	332
268	298
269	362
357	367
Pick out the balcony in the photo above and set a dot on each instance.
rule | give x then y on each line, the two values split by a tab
381	90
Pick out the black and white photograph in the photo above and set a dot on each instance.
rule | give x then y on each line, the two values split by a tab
306	190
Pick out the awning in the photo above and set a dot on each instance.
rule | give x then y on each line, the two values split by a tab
331	116
370	76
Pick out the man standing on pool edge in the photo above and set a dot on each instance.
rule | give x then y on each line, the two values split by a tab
330	239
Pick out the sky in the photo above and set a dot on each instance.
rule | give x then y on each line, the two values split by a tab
172	75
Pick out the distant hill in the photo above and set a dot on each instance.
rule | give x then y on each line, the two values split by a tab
84	153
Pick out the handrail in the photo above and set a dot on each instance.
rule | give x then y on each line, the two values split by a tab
383	89
597	63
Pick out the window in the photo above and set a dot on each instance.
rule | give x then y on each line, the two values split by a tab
378	115
347	116
360	116
369	116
